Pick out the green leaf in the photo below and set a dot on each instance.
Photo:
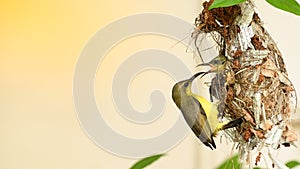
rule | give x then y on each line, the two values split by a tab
146	161
286	5
231	163
292	164
224	3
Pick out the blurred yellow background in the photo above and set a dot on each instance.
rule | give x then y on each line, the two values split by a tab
40	42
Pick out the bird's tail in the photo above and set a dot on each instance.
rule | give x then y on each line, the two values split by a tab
233	123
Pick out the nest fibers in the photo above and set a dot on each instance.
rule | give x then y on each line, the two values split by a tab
254	84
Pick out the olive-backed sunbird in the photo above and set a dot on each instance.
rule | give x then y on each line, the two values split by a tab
217	65
200	114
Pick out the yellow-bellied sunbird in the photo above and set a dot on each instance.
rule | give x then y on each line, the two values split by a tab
200	114
217	65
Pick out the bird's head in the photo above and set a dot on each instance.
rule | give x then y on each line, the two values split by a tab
219	60
215	62
183	88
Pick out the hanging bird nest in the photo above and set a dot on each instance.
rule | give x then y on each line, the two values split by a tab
254	84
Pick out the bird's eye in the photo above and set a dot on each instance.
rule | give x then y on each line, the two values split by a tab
186	84
217	62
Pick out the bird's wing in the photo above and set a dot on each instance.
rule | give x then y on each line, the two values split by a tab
201	127
210	110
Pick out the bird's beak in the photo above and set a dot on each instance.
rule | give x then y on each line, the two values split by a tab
203	64
196	75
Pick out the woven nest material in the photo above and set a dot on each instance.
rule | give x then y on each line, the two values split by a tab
254	83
